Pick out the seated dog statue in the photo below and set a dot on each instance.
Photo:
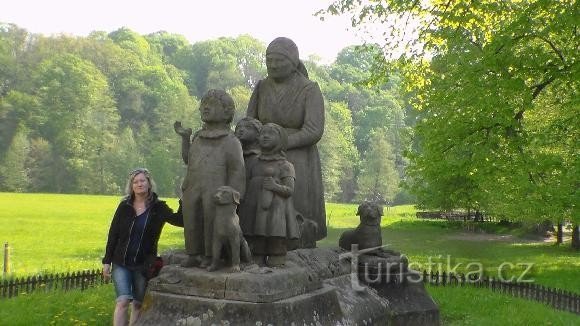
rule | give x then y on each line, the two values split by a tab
226	230
368	232
308	231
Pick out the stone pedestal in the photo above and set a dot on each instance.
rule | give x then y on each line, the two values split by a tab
314	288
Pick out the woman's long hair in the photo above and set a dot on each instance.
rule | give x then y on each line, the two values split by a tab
130	194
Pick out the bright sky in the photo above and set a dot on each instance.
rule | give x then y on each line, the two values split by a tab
197	20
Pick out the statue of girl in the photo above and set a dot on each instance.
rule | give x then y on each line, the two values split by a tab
275	228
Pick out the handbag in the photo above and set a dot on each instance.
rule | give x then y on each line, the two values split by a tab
153	266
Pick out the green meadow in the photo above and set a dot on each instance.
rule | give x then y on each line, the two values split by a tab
60	233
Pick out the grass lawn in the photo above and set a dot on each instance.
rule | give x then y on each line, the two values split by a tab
445	244
459	306
59	233
477	306
90	307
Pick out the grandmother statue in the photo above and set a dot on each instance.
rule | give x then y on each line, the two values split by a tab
288	98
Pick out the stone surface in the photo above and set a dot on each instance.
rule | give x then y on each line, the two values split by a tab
409	304
214	159
316	288
368	233
287	97
271	225
227	233
253	284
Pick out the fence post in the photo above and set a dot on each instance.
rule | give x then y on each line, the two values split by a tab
84	280
28	287
4	292
6	268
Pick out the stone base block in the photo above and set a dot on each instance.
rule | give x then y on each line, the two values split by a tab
314	288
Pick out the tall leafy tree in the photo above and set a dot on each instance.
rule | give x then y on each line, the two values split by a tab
167	45
80	118
40	166
222	63
496	84
13	176
378	179
338	154
13	46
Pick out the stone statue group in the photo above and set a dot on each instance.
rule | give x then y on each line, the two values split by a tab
256	193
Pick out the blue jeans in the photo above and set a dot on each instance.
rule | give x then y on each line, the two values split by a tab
129	284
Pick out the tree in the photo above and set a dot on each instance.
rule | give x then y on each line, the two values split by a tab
41	166
124	157
250	55
224	63
346	82
13	46
378	179
167	45
92	108
80	119
496	85
338	155
13	175
17	110
136	45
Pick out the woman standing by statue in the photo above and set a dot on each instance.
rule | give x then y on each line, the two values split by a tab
288	98
132	242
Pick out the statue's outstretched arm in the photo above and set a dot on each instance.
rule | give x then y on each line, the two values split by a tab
185	139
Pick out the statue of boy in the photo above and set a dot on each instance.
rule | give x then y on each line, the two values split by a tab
214	158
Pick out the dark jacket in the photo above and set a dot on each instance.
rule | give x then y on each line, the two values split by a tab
120	231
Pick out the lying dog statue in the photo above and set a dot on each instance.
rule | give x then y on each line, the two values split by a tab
226	230
368	233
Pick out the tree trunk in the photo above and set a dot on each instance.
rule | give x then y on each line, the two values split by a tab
576	237
559	234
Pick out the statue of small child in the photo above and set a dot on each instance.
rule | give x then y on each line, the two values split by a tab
273	224
214	159
247	130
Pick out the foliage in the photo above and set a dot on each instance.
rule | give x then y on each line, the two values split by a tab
346	84
495	86
74	99
13	164
337	150
77	113
378	180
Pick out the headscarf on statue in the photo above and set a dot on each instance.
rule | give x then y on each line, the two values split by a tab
287	48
